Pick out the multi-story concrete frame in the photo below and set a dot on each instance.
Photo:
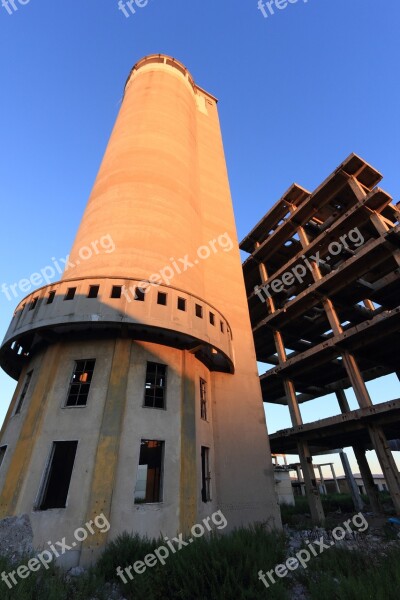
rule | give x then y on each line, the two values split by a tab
162	196
323	289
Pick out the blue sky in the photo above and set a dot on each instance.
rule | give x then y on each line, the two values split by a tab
298	92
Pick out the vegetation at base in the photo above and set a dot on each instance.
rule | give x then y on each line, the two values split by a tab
343	574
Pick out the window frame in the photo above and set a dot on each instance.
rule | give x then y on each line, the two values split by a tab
155	386
160	475
80	383
24	391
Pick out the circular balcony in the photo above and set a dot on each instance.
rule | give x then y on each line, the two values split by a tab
102	306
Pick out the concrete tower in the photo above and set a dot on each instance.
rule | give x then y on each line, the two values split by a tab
138	394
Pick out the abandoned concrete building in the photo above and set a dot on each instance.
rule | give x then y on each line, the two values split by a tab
323	287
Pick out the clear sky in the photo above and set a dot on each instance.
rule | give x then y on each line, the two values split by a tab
298	91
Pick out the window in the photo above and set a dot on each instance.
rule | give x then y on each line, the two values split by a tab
116	291
51	297
23	393
203	399
80	383
212	318
199	311
93	291
3	450
181	304
58	475
155	386
205	474
162	298
149	474
33	303
221	324
70	294
139	294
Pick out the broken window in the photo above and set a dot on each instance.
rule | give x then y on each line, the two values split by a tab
58	475
80	383
203	399
205	474
155	385
24	392
149	474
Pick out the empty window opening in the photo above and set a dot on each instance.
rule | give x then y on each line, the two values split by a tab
181	304
203	399
149	473
139	294
70	294
199	311
93	291
155	386
33	303
3	450
222	327
80	382
205	474
162	298
212	318
51	297
24	392
58	475
116	291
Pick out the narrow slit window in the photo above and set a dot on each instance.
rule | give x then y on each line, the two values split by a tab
58	475
116	291
70	295
93	291
23	392
162	298
221	325
155	385
33	303
149	473
203	399
80	383
51	296
205	474
3	450
139	294
199	311
181	304
212	318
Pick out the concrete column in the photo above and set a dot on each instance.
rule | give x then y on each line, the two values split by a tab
355	492
321	479
367	478
388	466
335	479
342	400
312	492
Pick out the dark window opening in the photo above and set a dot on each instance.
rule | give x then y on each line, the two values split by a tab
205	475
139	294
162	298
51	297
155	386
70	294
199	311
33	303
116	291
149	474
3	450
80	383
24	392
222	326
93	291
212	318
203	399
181	304
58	476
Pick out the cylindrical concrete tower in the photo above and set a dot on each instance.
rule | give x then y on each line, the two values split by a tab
138	395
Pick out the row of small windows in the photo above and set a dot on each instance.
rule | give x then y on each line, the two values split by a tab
149	479
154	389
116	293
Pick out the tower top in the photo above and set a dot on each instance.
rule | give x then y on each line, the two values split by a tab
168	62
